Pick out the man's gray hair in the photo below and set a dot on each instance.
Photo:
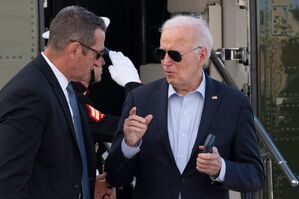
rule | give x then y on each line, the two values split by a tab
203	36
74	23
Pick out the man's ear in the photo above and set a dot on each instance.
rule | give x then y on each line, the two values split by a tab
203	55
73	49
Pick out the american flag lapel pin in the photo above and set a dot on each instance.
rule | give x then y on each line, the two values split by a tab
214	97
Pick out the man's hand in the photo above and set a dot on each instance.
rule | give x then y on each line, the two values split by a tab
102	189
209	163
123	70
135	127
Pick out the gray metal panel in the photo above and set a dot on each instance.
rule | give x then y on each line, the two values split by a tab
151	72
19	36
278	79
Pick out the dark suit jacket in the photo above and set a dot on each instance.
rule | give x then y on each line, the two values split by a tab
228	116
39	156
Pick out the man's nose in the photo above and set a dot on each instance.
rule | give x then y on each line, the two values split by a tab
166	60
99	62
103	61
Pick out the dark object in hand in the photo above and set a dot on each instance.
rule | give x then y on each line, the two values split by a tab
209	143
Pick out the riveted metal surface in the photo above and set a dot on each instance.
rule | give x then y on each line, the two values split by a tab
18	36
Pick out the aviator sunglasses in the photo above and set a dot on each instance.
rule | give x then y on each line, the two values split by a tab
98	54
173	54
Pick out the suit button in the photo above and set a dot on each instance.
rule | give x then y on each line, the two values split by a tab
183	180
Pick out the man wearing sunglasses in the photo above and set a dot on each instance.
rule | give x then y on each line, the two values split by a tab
164	125
47	150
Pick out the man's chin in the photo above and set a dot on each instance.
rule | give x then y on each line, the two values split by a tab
97	81
169	80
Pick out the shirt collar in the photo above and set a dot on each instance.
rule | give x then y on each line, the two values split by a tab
201	88
63	81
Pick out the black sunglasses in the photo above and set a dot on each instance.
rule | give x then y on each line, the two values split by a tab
98	54
173	54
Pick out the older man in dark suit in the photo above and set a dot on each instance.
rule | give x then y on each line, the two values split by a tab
164	124
46	149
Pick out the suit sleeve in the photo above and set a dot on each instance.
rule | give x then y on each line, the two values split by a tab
22	122
245	171
120	170
130	86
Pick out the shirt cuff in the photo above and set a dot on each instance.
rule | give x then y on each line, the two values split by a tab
129	151
221	176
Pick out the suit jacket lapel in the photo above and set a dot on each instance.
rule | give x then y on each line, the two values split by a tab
212	101
43	65
45	68
161	102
